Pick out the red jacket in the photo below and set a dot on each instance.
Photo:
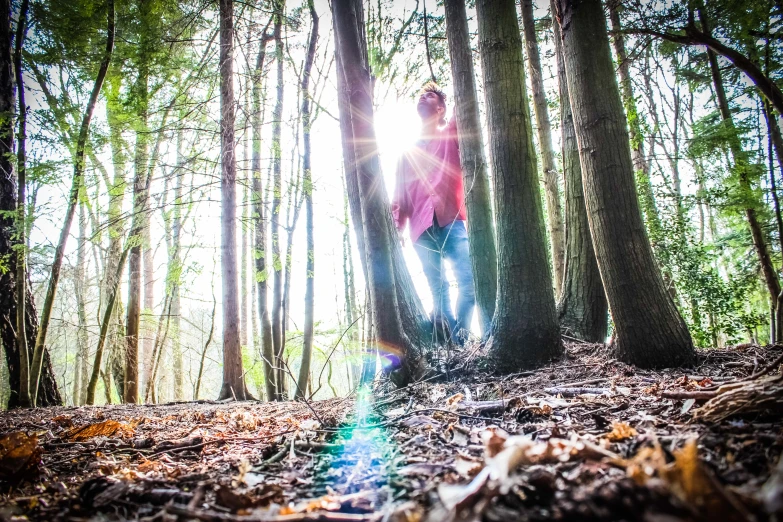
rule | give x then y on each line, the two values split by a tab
429	183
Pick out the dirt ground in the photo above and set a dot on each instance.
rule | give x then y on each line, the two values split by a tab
586	438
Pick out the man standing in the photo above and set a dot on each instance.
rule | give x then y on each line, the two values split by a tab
429	195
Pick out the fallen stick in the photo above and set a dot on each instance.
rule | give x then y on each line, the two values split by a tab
483	406
562	390
702	395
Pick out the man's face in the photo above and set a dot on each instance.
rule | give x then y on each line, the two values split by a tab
429	105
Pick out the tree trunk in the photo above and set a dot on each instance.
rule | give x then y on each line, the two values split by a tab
82	340
389	306
582	306
259	225
544	128
116	222
481	235
140	90
147	316
76	182
233	376
21	253
174	279
48	392
649	331
307	187
524	330
277	266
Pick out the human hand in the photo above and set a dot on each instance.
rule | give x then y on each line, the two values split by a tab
401	237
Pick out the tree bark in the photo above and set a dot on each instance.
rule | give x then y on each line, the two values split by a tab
82	339
582	306
259	225
481	234
175	260
525	331
233	377
140	89
76	182
21	253
277	266
307	187
388	306
544	128
649	331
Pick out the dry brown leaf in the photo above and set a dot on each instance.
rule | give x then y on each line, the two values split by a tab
646	463
621	431
690	480
453	402
106	428
18	454
63	420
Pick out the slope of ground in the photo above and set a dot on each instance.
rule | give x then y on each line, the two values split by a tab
587	438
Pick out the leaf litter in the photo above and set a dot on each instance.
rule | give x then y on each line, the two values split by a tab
585	438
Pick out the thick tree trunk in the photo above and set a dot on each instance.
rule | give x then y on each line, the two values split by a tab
582	306
544	128
524	331
389	306
649	331
233	376
307	187
481	234
259	225
277	266
76	182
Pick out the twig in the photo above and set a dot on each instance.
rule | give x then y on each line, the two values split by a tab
701	395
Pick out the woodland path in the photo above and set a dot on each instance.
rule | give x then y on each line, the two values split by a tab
585	438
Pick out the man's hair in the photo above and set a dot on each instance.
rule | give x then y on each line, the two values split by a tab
433	87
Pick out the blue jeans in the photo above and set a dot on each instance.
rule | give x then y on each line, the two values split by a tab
448	242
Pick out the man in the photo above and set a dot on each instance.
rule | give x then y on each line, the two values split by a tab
429	195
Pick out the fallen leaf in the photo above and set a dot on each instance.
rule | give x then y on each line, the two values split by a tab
695	484
453	402
63	420
18	454
106	428
621	431
687	405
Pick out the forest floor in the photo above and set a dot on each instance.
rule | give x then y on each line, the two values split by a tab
586	438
